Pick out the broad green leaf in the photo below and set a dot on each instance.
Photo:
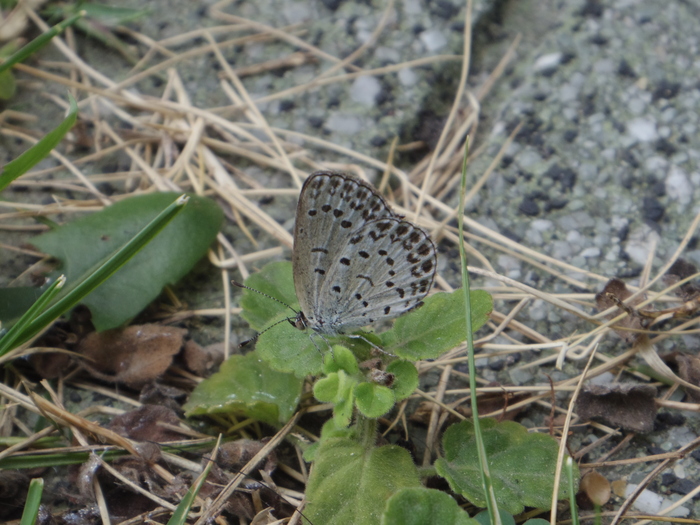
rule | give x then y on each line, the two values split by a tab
521	464
406	378
83	244
436	327
275	281
329	431
374	400
38	151
350	485
247	385
421	506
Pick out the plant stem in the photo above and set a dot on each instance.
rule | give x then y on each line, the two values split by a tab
366	431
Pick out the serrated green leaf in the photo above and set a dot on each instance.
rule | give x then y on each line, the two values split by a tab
83	244
521	464
247	385
349	485
421	506
374	400
406	378
436	327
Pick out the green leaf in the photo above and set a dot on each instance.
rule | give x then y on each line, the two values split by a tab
38	151
340	358
247	385
83	244
349	485
328	431
521	464
374	400
406	378
436	327
421	506
506	519
274	280
337	388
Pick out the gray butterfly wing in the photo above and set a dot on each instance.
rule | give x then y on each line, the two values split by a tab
331	206
386	269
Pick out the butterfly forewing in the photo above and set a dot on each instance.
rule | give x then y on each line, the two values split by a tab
331	207
386	269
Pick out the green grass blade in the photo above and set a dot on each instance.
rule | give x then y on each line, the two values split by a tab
483	460
104	271
179	517
41	149
31	505
39	42
8	340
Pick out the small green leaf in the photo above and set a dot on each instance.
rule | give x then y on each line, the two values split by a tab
406	378
351	484
274	280
247	385
326	389
436	327
328	431
421	506
521	464
374	400
83	244
340	358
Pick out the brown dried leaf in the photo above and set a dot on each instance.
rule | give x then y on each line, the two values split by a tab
628	406
135	355
163	395
679	270
203	359
688	370
615	293
143	424
50	365
234	455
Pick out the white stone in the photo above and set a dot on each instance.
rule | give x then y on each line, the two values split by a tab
407	77
365	89
590	252
678	185
639	243
433	40
548	61
344	124
641	129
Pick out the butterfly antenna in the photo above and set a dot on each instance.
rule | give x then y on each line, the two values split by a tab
256	336
241	285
